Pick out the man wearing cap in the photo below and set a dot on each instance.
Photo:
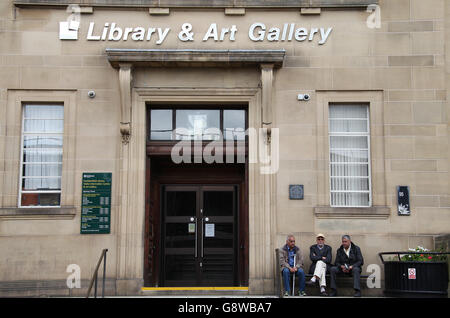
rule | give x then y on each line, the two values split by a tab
320	255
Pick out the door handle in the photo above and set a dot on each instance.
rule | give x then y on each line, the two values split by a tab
203	230
192	219
206	219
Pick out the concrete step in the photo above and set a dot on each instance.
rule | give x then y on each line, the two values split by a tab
345	288
194	291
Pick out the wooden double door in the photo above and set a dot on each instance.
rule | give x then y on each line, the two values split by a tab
200	236
196	224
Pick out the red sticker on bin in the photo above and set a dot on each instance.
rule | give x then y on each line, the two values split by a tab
411	273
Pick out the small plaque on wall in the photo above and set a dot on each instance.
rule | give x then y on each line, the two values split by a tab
296	192
403	200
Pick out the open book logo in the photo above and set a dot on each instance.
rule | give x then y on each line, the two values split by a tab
68	30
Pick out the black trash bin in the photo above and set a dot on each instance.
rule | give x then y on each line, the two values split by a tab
415	278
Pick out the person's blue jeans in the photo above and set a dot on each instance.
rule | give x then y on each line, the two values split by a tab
287	282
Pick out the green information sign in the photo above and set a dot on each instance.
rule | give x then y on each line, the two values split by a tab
96	203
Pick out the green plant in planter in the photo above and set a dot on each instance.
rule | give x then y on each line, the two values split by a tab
424	256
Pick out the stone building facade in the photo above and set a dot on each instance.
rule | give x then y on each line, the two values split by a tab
377	77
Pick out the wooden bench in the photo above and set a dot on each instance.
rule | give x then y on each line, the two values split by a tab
344	283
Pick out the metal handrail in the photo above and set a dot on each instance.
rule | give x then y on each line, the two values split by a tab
409	252
95	276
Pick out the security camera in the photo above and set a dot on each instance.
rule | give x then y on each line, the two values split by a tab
304	97
91	94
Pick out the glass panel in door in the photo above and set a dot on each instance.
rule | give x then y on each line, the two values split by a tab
219	244
180	241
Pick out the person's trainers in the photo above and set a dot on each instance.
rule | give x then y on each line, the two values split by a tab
311	283
302	293
286	294
324	293
357	293
333	293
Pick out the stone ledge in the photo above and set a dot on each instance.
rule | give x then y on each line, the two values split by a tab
235	11
193	58
159	11
38	213
54	288
310	11
202	3
377	212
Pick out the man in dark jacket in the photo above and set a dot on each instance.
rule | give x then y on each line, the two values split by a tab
320	255
349	261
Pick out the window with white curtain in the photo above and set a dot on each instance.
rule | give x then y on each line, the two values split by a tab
41	155
349	139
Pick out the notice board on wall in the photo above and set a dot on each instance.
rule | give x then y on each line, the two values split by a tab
96	203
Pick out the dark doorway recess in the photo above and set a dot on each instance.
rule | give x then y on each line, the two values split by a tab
196	223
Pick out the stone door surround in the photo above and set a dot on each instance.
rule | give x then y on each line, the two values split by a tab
262	220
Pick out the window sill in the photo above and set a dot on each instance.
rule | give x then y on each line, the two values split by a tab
63	213
375	212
